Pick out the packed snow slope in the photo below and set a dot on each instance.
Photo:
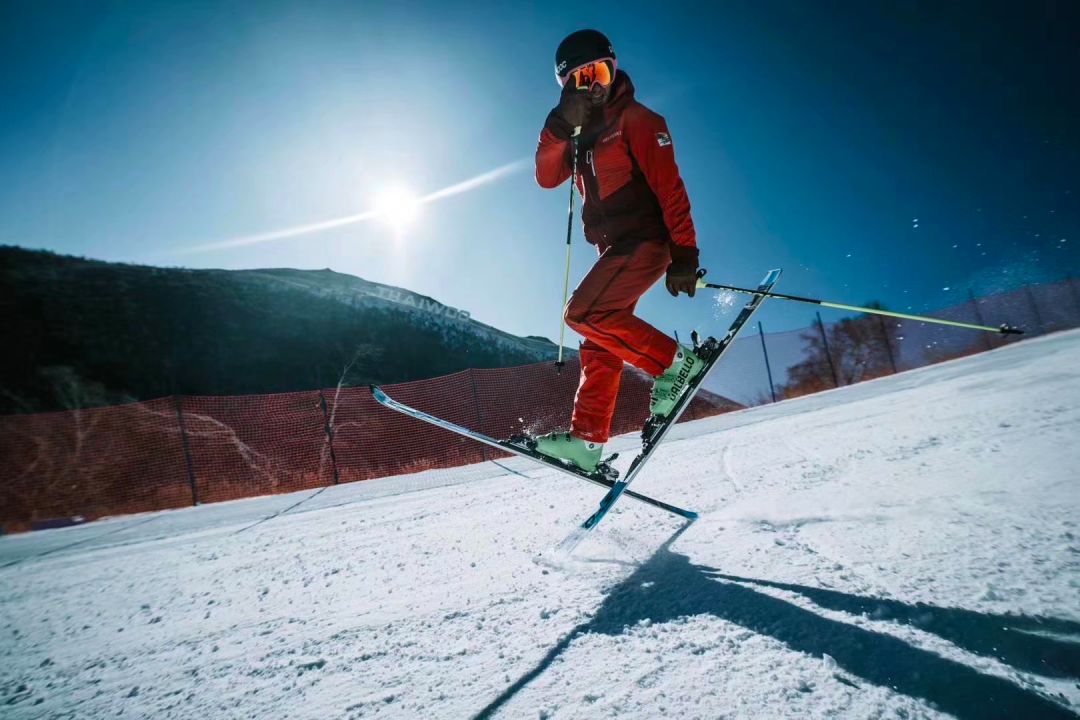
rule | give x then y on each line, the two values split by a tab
906	548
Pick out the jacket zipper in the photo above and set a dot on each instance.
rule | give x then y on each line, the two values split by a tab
590	159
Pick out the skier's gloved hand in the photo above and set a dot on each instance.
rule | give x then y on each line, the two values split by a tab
682	273
574	106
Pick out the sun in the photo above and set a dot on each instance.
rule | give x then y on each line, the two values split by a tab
397	207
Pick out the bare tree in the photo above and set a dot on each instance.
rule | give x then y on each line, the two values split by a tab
857	349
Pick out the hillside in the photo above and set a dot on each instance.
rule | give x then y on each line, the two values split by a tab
901	548
81	333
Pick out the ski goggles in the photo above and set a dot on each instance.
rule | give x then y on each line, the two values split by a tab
599	72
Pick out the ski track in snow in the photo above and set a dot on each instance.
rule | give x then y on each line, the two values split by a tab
902	548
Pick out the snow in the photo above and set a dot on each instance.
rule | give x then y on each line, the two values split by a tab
906	547
724	301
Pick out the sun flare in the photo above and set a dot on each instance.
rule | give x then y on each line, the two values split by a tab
397	206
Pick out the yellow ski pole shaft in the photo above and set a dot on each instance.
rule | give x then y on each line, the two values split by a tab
569	235
1002	330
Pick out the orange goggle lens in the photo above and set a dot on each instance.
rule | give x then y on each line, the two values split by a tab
601	72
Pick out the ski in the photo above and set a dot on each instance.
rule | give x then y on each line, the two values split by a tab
654	431
606	476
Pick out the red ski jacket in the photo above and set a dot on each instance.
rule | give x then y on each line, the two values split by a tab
626	174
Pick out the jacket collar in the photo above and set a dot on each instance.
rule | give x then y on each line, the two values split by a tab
622	94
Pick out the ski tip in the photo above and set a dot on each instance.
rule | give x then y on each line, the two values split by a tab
377	392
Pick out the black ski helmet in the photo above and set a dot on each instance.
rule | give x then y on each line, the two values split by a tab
580	48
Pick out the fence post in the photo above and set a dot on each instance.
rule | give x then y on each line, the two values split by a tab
979	319
888	346
1070	283
1035	309
828	355
1073	292
187	450
329	435
479	416
765	352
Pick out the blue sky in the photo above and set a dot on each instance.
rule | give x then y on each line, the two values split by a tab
810	136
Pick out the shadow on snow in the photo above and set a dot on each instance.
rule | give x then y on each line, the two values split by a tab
668	587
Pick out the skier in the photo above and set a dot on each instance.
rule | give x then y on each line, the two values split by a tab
636	211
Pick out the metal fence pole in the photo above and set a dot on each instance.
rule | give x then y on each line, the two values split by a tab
479	415
187	450
1071	283
828	355
329	435
768	368
979	319
888	346
1035	309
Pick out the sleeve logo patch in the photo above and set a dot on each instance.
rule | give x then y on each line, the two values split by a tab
663	139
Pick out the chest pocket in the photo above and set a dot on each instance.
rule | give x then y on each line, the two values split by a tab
611	164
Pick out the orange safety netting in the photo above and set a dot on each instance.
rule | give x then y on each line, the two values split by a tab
174	452
90	463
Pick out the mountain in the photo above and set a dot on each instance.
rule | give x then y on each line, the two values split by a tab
81	333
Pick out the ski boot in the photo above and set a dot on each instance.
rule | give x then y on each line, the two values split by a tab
673	382
582	454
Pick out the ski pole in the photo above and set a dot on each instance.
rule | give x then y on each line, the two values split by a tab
569	234
1004	329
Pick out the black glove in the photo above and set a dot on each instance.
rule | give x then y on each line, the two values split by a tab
574	106
682	273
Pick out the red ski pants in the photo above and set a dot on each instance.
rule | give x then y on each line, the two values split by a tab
602	310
